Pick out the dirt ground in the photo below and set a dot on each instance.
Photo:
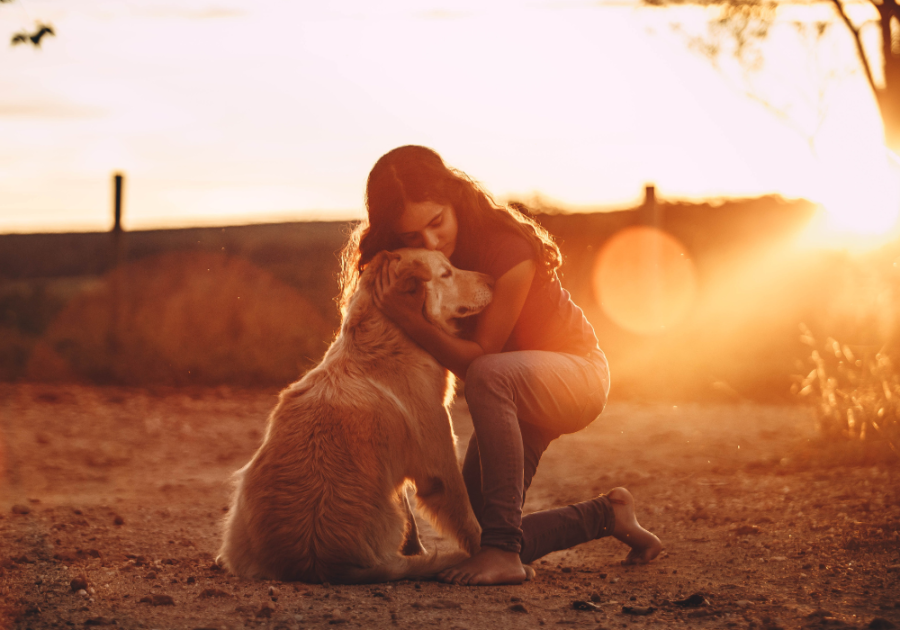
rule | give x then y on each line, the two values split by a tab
112	500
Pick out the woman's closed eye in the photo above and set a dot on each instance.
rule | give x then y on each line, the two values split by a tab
447	273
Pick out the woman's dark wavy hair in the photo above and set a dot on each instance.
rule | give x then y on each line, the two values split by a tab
416	174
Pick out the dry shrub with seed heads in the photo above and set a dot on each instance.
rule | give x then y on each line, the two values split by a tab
855	391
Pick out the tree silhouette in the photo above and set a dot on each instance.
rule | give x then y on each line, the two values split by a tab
739	26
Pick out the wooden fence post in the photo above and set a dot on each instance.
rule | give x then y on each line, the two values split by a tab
118	251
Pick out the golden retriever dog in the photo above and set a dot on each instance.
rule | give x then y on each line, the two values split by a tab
324	497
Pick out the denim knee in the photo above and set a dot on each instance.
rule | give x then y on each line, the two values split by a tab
484	377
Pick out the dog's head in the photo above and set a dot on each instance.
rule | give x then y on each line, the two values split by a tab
450	293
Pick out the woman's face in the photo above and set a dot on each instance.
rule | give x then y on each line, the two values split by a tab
430	225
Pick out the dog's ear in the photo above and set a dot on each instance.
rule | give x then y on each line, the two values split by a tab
374	266
382	258
411	274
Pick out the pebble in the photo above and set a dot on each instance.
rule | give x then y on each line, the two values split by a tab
745	530
614	580
518	608
265	610
579	604
118	520
693	601
744	603
20	509
82	592
79	584
274	592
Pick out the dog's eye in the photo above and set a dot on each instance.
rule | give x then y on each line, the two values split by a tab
447	273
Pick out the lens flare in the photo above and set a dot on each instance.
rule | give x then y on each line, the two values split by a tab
644	280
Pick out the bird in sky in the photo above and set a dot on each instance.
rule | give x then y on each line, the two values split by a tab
35	38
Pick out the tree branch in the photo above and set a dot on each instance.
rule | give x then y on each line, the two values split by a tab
859	47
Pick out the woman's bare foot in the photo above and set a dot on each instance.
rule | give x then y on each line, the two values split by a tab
644	545
489	566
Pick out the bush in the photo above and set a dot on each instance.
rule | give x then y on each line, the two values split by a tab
855	391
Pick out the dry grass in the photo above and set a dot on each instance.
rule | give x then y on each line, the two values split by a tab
855	391
185	318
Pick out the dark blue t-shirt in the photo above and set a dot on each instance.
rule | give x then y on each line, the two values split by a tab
549	320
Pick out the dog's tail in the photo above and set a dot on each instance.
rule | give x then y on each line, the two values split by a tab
404	567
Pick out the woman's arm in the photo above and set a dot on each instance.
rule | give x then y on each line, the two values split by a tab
494	326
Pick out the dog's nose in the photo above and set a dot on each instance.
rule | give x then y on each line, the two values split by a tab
462	310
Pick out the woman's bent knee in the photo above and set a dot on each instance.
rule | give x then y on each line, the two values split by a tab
485	376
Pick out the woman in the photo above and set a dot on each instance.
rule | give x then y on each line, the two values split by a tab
531	363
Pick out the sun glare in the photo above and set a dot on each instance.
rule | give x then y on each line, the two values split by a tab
859	202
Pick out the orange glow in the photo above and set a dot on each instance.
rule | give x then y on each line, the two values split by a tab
644	280
860	203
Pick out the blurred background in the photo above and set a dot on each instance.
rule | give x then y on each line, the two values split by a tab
722	179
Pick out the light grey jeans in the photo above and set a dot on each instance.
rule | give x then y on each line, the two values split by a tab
520	402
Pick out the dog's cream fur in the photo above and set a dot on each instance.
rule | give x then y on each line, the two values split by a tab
324	497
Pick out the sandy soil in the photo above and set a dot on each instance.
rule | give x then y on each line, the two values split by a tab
112	500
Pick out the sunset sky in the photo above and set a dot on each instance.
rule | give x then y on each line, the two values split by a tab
222	112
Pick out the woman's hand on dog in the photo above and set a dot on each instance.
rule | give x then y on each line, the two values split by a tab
401	300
